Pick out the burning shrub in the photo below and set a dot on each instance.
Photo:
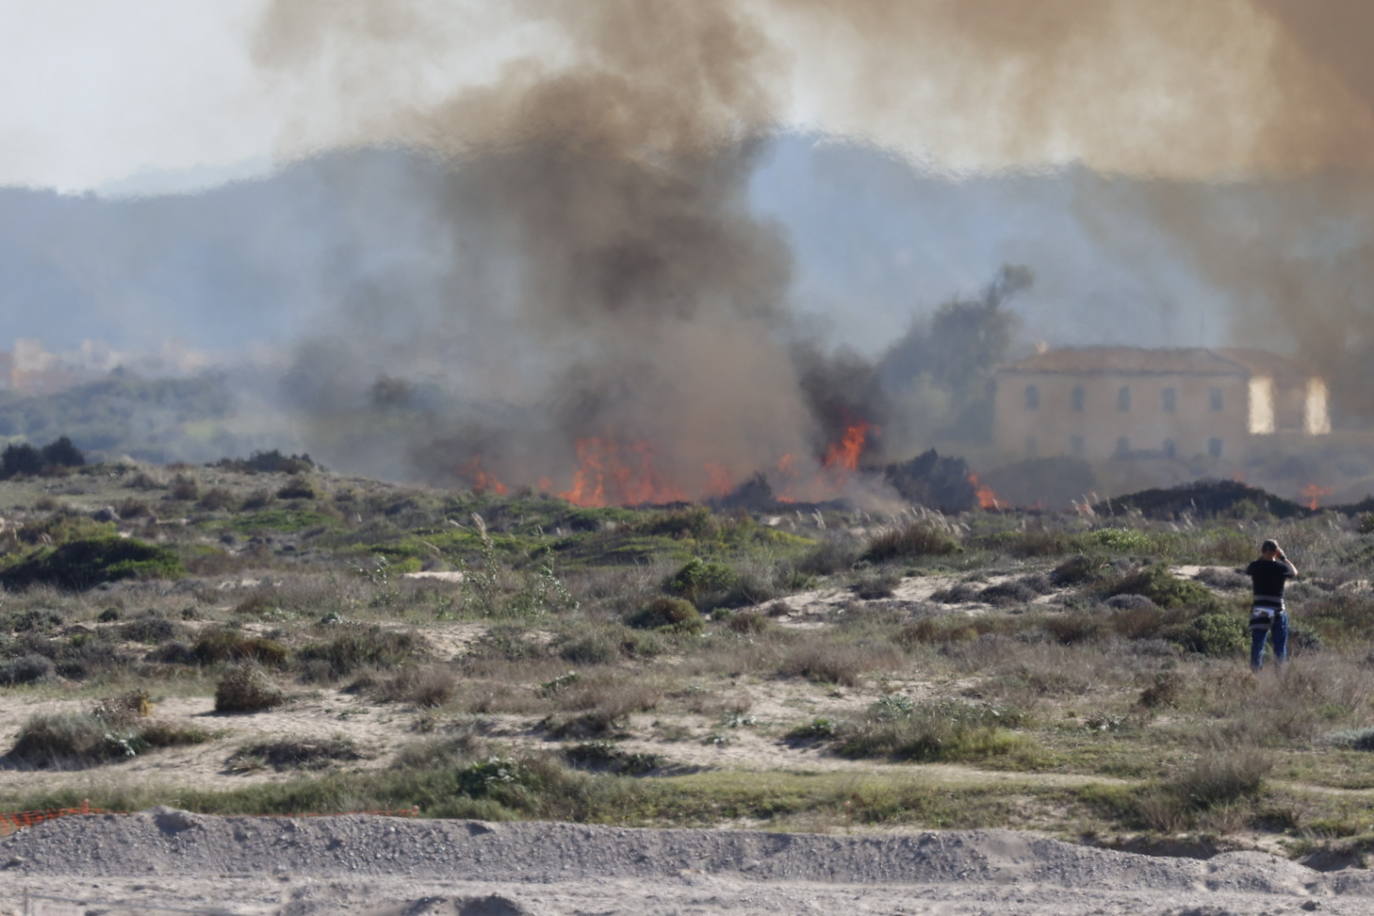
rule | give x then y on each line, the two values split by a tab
665	613
918	539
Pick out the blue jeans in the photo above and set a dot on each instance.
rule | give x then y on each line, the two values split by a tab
1278	634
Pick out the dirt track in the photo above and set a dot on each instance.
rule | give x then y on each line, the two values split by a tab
356	864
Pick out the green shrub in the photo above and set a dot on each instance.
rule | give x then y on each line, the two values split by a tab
1077	570
216	498
605	757
107	733
357	646
83	564
1165	589
294	754
918	539
221	645
1359	739
702	583
947	730
297	488
664	613
1220	635
247	688
26	669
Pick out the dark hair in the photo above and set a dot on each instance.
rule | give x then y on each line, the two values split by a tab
1268	545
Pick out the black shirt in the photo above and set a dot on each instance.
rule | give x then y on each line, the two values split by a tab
1269	577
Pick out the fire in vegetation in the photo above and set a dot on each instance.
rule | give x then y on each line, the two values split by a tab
611	472
987	499
1313	494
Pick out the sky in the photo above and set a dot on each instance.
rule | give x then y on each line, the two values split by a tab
158	94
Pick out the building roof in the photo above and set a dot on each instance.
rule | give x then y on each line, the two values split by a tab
1158	361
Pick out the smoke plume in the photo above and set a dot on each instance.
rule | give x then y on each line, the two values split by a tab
607	317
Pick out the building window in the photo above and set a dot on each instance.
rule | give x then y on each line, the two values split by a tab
1123	398
1080	397
1032	447
1032	397
1123	446
1170	449
1168	399
1218	402
1076	446
1214	447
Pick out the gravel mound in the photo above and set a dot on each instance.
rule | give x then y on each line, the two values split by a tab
318	865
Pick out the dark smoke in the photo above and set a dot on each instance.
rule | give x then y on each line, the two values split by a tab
604	280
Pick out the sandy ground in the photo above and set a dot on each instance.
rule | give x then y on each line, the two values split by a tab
170	861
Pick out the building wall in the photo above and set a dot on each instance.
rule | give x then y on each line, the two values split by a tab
1053	421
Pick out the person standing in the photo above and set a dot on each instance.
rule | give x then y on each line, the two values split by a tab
1268	616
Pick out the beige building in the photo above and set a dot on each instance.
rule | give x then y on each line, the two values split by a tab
1105	402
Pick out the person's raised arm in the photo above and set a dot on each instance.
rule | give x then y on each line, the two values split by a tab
1292	570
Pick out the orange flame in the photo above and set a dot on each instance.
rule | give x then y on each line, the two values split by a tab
987	499
607	475
719	481
483	482
1314	494
844	455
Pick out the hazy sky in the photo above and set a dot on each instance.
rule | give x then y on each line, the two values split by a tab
96	91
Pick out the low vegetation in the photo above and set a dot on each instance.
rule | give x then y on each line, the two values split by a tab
1084	674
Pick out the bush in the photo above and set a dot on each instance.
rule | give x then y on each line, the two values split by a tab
1165	589
426	686
1077	570
111	731
1358	739
1219	635
828	662
23	458
273	462
664	613
947	730
604	757
359	646
216	498
150	630
224	645
297	488
827	558
26	669
918	539
877	584
247	688
702	583
184	488
298	754
600	647
84	564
